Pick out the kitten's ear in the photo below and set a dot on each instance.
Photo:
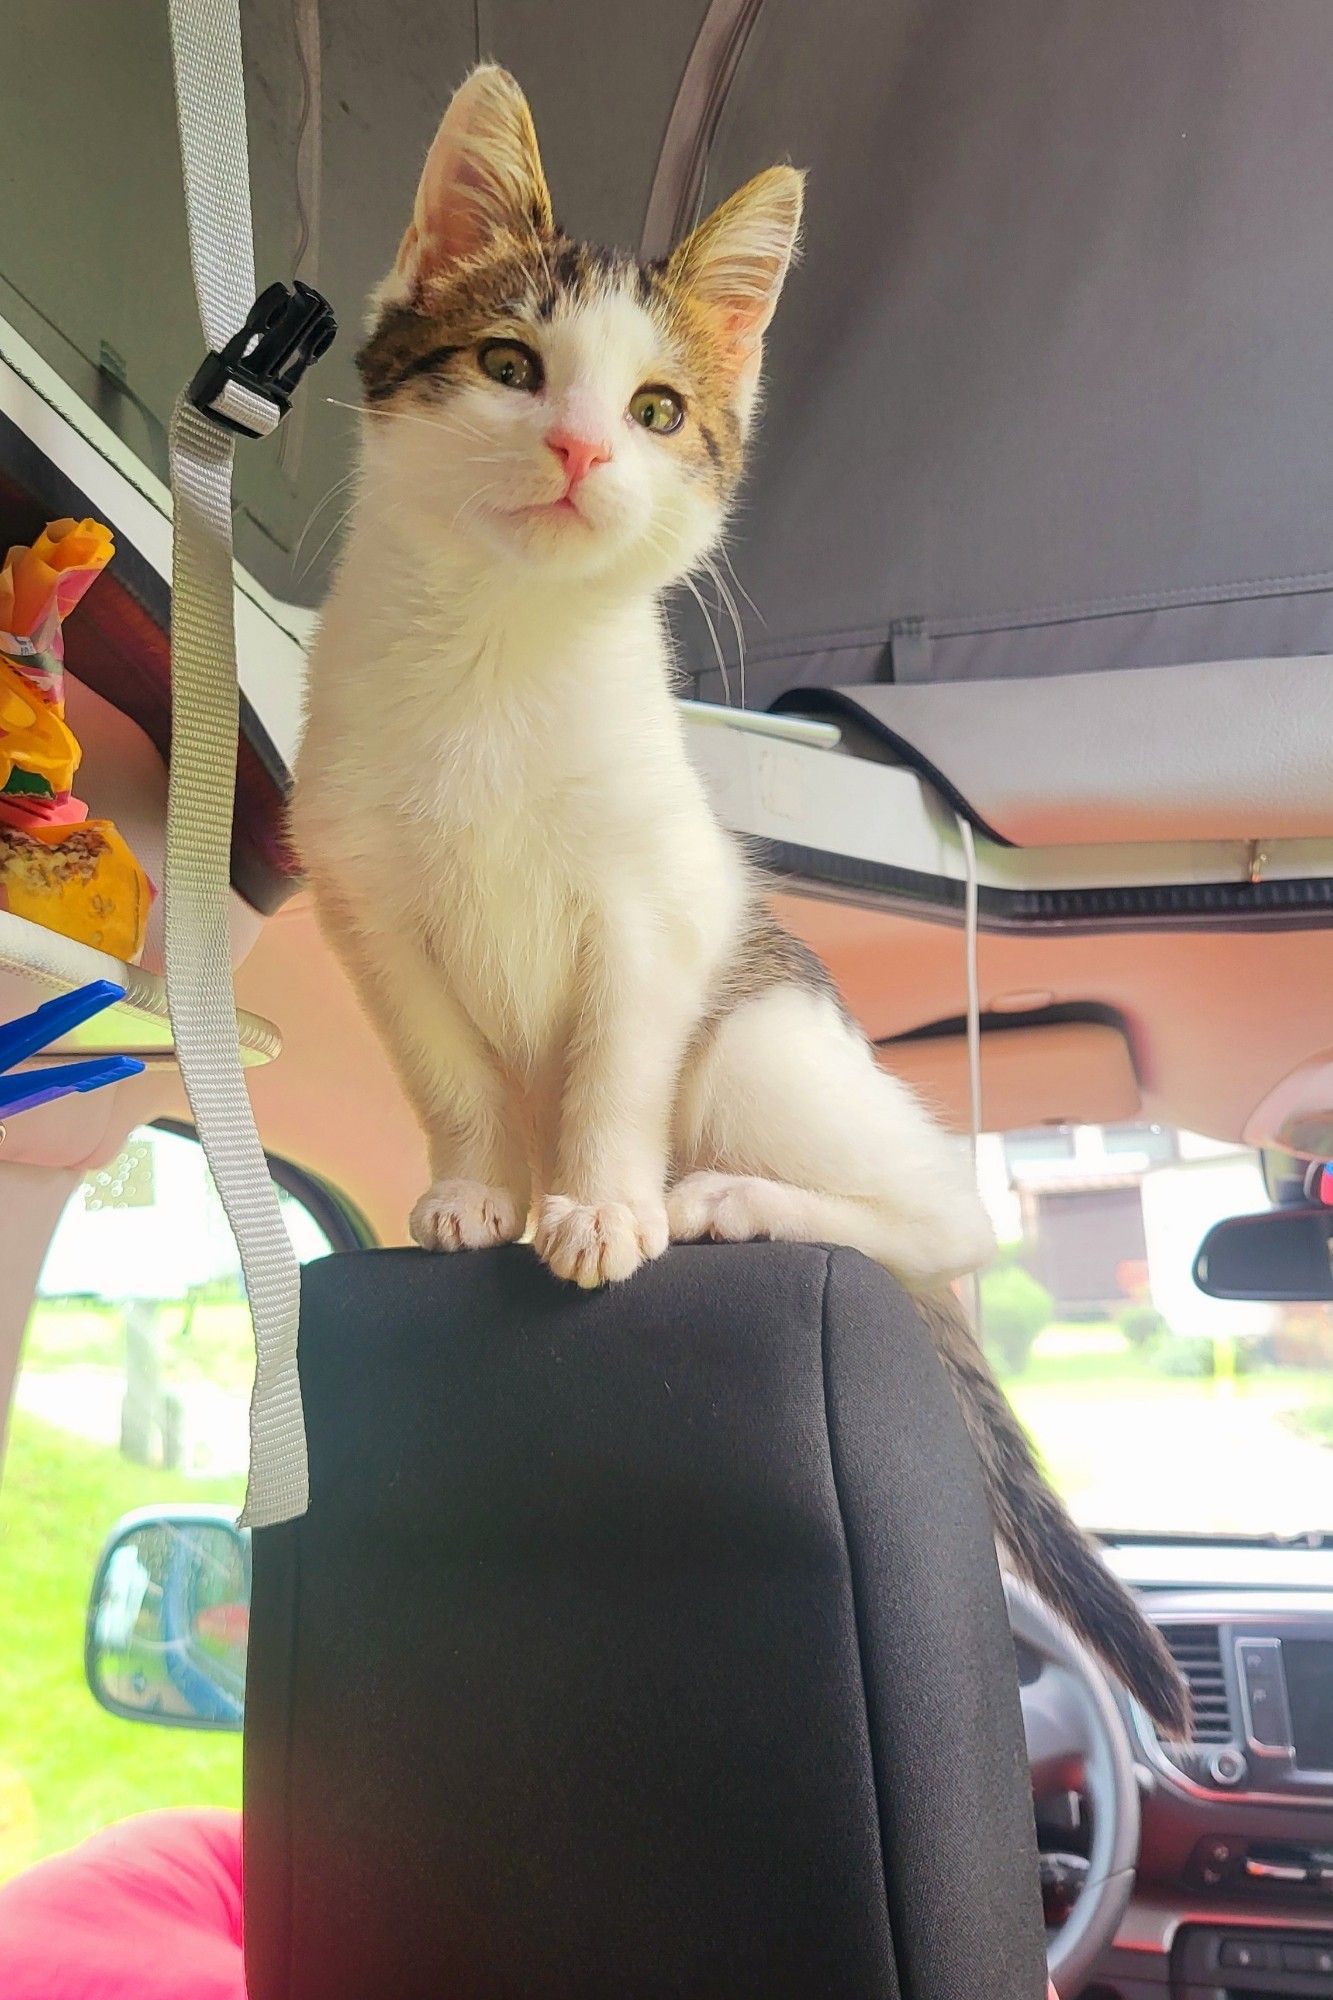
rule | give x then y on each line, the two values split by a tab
483	176
734	264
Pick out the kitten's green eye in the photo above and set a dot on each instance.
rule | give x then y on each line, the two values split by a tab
512	365
657	409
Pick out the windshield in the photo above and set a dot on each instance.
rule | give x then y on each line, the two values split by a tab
1155	1409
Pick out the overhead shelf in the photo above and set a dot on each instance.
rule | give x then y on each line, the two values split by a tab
36	964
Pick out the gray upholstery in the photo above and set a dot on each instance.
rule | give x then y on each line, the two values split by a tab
636	1644
1050	392
1228	750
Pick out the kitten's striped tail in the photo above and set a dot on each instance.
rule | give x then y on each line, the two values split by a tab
1046	1546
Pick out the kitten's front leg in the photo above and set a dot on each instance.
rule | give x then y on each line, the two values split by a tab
469	1210
480	1179
606	1212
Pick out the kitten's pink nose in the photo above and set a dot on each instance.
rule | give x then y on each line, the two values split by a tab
577	454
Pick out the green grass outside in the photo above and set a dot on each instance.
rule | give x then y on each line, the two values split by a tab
210	1342
66	1766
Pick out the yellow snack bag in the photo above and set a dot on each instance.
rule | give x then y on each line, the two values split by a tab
58	868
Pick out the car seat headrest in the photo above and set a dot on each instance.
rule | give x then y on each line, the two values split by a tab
643	1642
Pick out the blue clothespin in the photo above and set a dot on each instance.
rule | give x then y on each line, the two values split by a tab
31	1033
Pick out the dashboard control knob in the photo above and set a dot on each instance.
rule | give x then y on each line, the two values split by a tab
1216	1861
1226	1767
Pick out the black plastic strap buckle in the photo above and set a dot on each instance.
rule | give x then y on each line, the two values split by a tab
283	333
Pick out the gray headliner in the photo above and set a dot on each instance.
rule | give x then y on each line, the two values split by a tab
1050	393
1239	751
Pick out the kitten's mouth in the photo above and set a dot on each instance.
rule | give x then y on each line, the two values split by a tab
553	510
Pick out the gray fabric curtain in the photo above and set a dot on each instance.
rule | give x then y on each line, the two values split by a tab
1051	391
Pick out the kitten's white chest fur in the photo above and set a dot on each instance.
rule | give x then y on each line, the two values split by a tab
494	781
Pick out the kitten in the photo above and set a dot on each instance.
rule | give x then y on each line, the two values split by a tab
604	1033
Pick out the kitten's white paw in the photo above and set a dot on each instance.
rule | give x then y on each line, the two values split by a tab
730	1208
599	1244
466	1215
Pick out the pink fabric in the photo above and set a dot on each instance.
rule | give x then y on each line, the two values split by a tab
147	1910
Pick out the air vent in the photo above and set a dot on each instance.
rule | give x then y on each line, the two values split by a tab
1197	1651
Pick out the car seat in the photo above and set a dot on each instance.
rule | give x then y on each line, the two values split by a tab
636	1643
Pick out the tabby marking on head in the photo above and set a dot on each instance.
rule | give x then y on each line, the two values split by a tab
484	263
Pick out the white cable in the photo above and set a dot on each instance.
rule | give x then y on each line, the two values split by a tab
309	199
971	929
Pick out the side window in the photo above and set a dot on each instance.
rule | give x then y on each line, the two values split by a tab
133	1392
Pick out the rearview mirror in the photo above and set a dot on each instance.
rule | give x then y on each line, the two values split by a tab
169	1619
1284	1256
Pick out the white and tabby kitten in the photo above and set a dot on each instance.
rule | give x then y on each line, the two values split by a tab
606	1036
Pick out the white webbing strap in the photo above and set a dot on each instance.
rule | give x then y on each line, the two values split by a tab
205	705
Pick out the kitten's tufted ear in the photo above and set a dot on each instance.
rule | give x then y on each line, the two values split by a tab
483	177
734	264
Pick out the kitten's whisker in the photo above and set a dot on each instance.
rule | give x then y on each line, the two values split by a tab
459	424
453	424
659	544
717	648
735	617
338	486
725	600
725	554
337	528
471	501
725	597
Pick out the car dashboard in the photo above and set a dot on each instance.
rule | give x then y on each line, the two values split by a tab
1234	1895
